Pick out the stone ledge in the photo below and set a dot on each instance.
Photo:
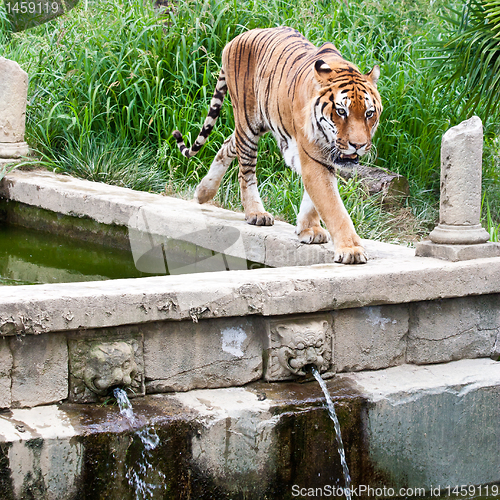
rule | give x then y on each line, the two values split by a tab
206	225
68	306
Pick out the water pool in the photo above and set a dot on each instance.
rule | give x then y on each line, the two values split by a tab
38	246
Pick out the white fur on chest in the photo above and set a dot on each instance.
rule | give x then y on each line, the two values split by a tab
290	152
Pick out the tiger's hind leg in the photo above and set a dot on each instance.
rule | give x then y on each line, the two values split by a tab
246	148
309	228
209	185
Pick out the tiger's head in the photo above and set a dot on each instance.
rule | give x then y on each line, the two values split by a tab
345	110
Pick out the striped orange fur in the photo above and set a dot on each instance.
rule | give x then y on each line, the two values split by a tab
320	108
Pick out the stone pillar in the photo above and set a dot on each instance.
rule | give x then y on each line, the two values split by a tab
459	234
13	97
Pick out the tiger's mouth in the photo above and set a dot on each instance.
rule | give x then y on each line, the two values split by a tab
342	158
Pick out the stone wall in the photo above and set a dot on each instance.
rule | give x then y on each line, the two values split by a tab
421	427
170	356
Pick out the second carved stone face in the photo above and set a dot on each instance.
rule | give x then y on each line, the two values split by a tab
303	344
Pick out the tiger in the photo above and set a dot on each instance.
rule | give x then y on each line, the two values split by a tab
320	108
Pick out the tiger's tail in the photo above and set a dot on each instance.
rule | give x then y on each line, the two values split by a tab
208	125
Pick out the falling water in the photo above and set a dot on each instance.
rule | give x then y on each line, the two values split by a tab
124	404
340	444
150	440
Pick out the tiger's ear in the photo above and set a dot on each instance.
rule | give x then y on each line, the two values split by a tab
374	75
322	72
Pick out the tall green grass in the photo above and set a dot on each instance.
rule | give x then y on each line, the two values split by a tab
110	83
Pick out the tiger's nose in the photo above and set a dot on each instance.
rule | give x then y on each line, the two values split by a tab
356	146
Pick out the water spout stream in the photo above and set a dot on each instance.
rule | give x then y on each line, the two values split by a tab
150	440
340	445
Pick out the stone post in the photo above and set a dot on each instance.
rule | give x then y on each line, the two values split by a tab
459	234
13	98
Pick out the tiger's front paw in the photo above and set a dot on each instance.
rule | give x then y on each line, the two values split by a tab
350	255
259	219
315	234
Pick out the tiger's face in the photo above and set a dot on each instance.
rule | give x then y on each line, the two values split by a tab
347	110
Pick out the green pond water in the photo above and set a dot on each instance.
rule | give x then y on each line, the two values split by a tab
28	256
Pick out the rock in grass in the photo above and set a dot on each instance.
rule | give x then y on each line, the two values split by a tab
394	187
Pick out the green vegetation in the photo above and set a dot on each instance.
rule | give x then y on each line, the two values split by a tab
473	54
109	83
5	169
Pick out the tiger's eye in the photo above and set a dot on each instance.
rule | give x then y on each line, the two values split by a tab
341	111
370	113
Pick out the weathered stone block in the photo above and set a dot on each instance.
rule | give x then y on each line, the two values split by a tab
39	370
433	426
461	167
101	360
369	338
13	98
180	356
51	466
460	200
452	329
294	342
6	361
235	422
40	454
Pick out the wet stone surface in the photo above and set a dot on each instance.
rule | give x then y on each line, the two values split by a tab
257	442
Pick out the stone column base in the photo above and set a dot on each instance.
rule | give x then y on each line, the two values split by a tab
448	234
455	253
13	149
